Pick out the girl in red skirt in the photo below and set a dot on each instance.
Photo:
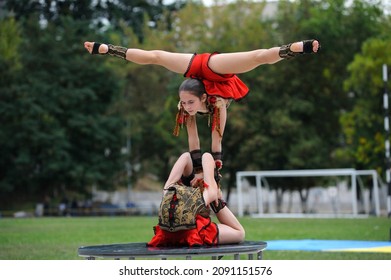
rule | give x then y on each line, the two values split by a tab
213	82
228	230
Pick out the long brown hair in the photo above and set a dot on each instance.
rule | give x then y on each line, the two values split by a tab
194	86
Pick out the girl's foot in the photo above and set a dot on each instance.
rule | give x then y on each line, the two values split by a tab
299	48
96	48
305	46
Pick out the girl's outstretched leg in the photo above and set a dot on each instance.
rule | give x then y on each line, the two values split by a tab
226	63
241	62
175	62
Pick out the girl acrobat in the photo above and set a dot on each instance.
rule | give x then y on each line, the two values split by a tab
205	196
212	82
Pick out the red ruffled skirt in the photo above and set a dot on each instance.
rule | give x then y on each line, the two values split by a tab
227	86
206	233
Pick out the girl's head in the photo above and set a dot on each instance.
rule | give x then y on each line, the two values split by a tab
192	96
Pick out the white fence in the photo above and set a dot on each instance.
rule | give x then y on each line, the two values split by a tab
352	174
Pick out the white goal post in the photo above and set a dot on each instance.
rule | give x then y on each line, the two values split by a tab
349	172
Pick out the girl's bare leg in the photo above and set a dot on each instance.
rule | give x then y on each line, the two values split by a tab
211	191
175	62
183	166
230	230
241	62
238	62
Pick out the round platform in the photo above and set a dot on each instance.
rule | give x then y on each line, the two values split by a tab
140	250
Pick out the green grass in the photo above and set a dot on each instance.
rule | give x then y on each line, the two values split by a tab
59	238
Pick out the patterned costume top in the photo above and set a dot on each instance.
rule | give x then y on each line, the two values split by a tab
179	207
184	219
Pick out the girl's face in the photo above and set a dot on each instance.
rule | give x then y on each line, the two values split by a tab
192	103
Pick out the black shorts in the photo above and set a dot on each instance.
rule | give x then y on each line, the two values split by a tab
186	180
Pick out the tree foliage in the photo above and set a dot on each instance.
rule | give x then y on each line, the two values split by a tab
363	125
59	133
67	116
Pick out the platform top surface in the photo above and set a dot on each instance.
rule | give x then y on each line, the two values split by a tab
141	249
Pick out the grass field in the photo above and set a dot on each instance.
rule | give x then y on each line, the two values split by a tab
59	238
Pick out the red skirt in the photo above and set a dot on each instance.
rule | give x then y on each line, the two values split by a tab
227	86
206	233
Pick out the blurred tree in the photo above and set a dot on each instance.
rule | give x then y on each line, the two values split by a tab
363	126
101	15
59	133
10	67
